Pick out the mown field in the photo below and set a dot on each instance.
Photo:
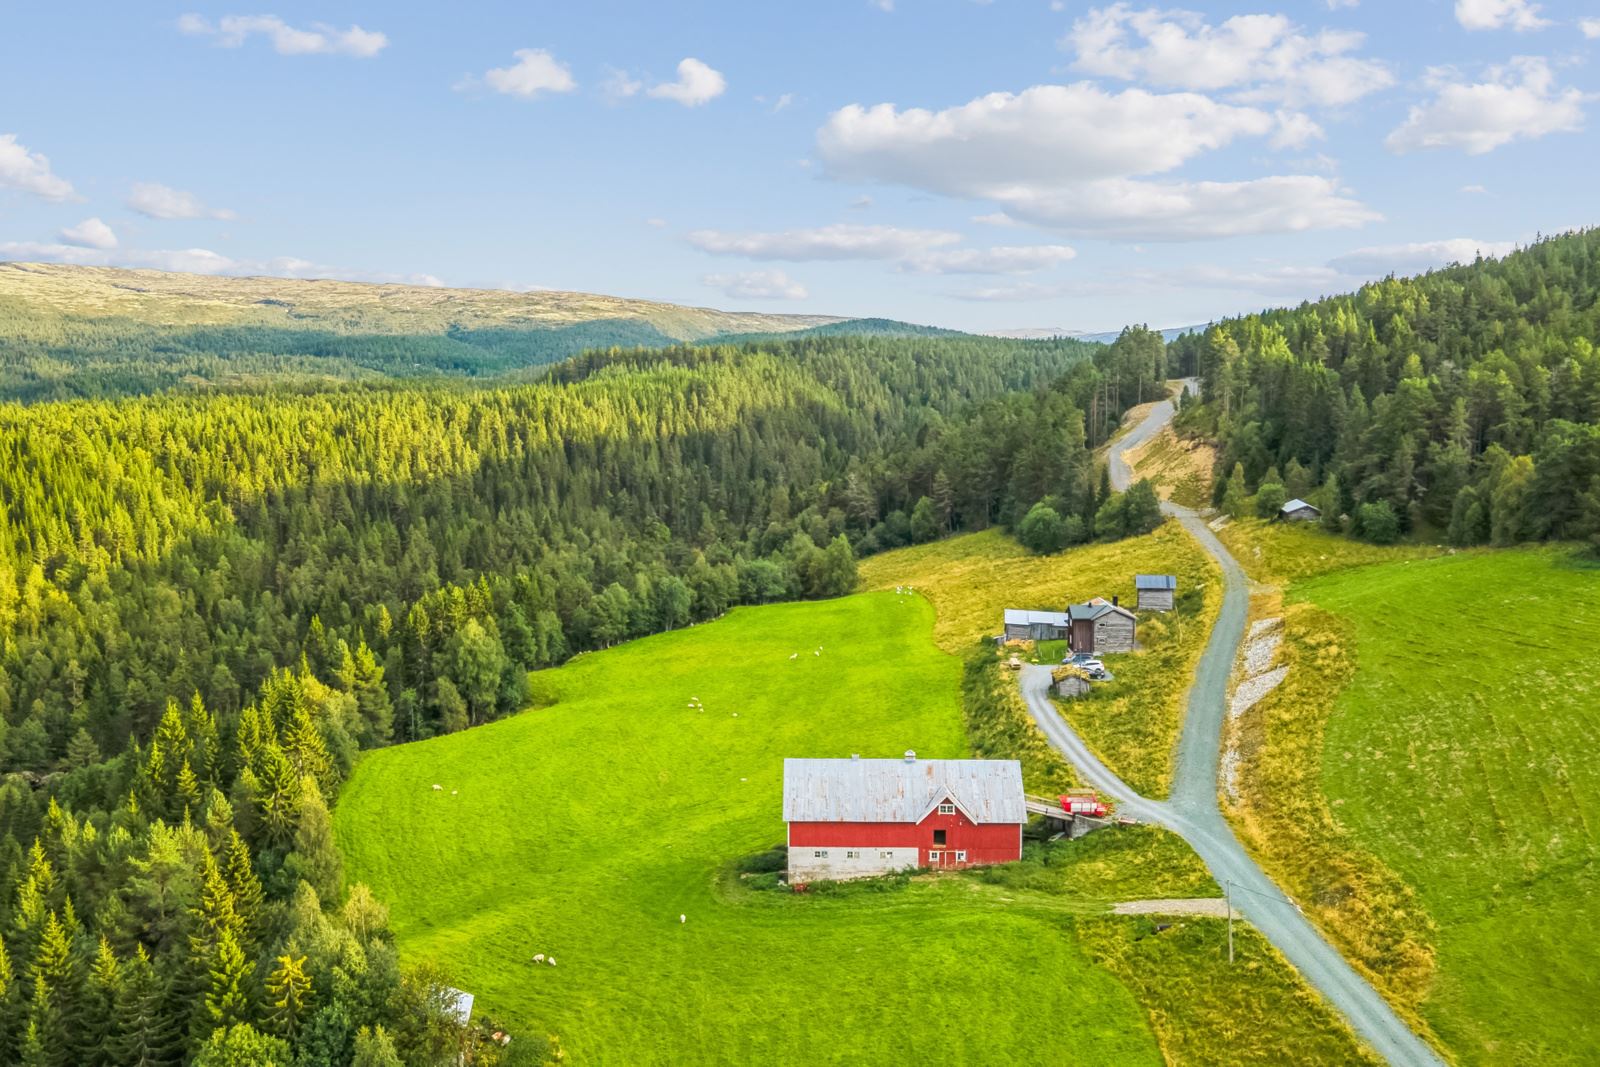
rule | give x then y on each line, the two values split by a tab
1462	755
584	828
1132	722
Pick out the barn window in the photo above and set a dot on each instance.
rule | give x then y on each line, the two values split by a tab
947	808
852	855
938	837
820	854
933	857
886	855
961	857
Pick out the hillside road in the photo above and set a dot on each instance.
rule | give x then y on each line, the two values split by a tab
1193	811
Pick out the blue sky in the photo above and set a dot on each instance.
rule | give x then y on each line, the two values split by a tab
1010	164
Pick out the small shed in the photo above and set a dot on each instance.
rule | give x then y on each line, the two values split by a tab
1071	682
1100	626
1035	625
1298	510
1155	591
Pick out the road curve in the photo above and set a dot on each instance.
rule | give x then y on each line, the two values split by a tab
1193	811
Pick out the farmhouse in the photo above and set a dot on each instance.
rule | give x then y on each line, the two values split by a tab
1035	625
1155	591
1298	510
1100	626
853	818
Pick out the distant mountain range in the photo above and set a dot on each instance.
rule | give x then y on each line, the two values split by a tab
1046	332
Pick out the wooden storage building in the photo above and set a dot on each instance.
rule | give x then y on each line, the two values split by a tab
1155	591
1035	625
1298	510
1101	626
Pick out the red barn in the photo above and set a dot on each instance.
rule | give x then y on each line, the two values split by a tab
852	818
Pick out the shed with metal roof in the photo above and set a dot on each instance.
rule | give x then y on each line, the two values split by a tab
1155	591
1023	625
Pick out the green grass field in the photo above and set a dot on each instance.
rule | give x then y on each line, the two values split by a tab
1462	756
583	829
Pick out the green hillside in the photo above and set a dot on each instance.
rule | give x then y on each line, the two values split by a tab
73	331
1460	756
584	828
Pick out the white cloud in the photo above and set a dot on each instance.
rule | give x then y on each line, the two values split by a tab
882	5
1590	28
1295	130
199	261
1520	15
839	241
656	223
1335	5
1518	101
861	203
1419	257
1191	211
1018	259
697	83
620	85
1046	134
995	218
1259	57
783	101
231	31
1477	190
757	285
1065	158
90	233
29	171
164	202
535	71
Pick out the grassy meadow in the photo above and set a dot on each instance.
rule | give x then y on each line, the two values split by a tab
1132	722
1423	780
584	828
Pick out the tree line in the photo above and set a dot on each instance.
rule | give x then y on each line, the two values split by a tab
1463	404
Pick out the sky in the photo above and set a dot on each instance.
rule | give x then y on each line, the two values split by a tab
997	165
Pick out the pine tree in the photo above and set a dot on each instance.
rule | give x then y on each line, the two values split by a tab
10	1005
248	899
228	1001
55	994
288	996
315	858
149	1034
96	1027
374	1048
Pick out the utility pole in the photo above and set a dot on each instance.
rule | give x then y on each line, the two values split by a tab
1228	894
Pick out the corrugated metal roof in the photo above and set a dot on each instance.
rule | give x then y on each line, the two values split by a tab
1296	504
1017	617
1155	581
1096	608
898	790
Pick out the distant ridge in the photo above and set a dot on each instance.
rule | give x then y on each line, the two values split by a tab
849	328
1105	337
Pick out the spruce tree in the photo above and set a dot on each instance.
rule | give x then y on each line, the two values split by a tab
288	996
96	1028
229	1000
149	1035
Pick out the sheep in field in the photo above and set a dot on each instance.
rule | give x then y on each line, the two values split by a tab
436	788
683	918
539	958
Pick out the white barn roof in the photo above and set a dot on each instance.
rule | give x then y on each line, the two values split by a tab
901	790
1017	617
1295	505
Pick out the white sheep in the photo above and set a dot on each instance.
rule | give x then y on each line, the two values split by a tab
437	787
453	792
736	715
551	961
683	918
795	656
539	958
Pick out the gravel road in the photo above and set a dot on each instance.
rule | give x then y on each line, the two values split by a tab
1193	811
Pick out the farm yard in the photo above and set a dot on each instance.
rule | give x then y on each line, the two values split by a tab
1133	722
647	787
1442	821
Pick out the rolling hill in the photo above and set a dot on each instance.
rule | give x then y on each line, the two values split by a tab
92	331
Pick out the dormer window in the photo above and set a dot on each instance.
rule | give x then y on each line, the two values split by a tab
947	808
